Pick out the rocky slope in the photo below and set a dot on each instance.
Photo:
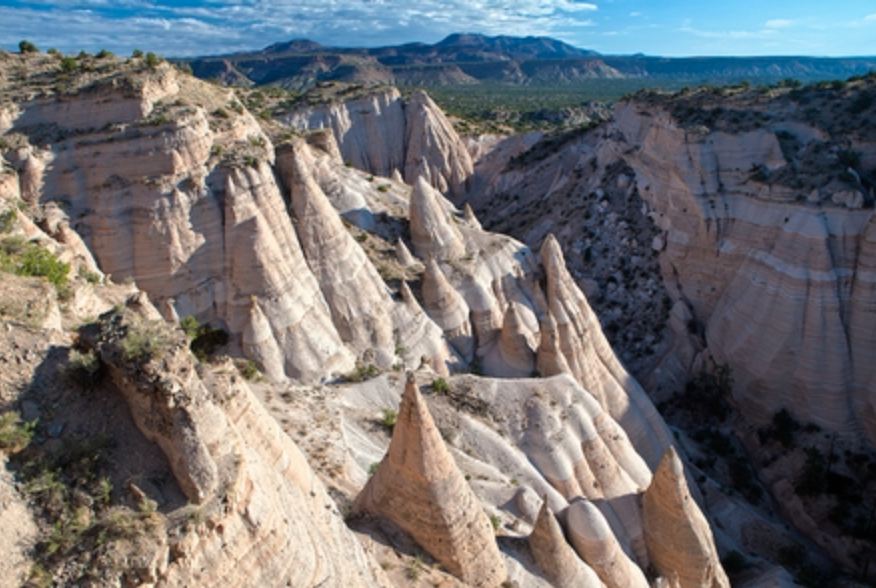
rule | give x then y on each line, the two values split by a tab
145	467
757	208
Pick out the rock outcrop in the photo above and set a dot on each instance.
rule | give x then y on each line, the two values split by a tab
433	231
595	542
384	135
356	295
771	267
680	542
448	309
419	487
256	495
561	565
593	363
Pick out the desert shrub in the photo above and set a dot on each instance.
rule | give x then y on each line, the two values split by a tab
784	427
27	47
390	416
849	158
137	53
440	385
152	60
812	480
22	258
247	368
15	434
69	64
8	219
145	340
362	372
204	338
103	54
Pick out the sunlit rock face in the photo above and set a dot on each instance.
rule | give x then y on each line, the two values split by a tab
384	134
783	288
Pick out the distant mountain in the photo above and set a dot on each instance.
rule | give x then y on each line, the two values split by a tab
473	58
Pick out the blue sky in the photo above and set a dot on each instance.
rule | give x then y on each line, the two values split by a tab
670	27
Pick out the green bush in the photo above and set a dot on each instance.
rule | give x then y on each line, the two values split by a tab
8	220
440	385
14	433
137	53
362	372
83	369
390	417
27	47
152	60
23	258
69	64
205	338
145	340
248	369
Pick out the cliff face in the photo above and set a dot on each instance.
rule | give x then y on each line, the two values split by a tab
383	133
777	275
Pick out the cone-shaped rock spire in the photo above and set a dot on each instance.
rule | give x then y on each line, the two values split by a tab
594	541
420	489
448	309
470	218
420	336
556	558
354	291
550	360
404	255
514	345
678	536
260	345
433	232
593	363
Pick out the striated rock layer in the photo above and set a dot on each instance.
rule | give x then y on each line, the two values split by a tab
384	135
774	280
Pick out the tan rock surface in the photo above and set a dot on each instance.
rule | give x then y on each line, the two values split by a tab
434	150
433	232
555	556
419	487
594	541
679	540
262	516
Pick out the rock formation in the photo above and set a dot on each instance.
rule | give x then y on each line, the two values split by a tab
383	135
595	542
356	295
446	307
679	540
419	488
593	363
772	269
561	565
252	485
433	231
434	150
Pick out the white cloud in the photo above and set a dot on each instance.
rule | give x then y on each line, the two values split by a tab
778	23
251	24
870	17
